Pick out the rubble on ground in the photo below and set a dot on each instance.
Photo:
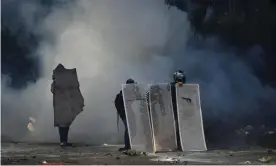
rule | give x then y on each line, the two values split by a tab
265	159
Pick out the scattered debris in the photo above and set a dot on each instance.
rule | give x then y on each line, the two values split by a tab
266	159
118	158
185	162
144	153
131	153
176	160
109	154
247	162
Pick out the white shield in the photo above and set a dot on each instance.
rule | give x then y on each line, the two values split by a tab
162	116
138	119
190	118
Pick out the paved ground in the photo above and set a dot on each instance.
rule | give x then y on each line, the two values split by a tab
27	153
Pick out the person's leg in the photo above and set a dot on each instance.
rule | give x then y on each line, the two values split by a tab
177	131
59	132
63	132
126	138
61	135
66	130
127	142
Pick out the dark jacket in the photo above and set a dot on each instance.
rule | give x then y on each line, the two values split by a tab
173	93
119	104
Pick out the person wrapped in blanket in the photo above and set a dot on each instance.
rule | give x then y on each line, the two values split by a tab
119	104
179	78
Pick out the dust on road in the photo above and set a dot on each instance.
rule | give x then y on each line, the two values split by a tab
34	153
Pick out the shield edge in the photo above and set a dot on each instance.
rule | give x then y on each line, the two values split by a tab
201	119
129	133
130	140
174	127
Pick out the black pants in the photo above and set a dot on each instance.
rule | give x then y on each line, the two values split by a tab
126	136
63	134
177	131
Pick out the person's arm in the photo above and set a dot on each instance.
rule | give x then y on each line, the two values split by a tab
119	102
116	101
53	87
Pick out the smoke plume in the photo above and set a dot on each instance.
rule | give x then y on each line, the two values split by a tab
109	41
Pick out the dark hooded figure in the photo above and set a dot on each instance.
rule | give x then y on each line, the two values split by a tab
62	129
179	79
67	100
119	104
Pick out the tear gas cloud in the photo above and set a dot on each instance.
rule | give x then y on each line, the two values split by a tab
109	41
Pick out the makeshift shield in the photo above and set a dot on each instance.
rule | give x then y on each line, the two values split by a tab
68	101
190	118
162	116
138	119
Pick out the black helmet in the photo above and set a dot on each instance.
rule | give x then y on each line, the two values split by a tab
179	75
130	81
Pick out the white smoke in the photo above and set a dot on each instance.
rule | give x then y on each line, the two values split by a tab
109	41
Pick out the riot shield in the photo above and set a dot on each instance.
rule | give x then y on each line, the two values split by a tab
191	130
161	112
68	101
138	119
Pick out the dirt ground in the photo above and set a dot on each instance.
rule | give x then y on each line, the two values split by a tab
34	153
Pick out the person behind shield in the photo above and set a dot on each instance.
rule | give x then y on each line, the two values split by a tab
119	104
62	129
179	78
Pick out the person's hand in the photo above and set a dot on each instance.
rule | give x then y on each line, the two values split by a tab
180	84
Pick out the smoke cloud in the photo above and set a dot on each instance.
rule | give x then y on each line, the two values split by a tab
109	41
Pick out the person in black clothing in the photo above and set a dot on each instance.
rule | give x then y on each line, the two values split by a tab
119	104
62	129
63	135
179	79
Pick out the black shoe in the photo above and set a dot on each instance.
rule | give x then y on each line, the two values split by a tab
65	144
62	144
123	149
